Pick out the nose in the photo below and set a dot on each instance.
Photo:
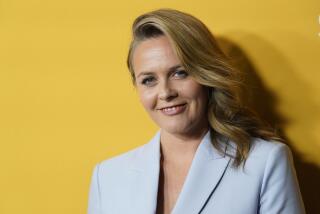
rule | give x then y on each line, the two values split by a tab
167	92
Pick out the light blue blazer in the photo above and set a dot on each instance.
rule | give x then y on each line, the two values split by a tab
128	183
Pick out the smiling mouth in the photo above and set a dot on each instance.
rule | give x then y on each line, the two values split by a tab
172	106
173	110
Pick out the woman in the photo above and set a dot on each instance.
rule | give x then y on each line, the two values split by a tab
211	155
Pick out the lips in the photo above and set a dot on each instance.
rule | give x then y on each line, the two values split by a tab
172	106
173	110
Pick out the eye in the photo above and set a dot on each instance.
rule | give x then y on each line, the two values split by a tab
181	73
147	80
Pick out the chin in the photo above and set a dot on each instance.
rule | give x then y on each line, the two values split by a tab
175	128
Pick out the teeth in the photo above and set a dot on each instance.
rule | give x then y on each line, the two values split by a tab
170	109
174	108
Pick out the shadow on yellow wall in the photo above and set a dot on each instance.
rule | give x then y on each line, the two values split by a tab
265	101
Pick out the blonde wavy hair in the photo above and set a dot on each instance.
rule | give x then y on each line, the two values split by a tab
202	58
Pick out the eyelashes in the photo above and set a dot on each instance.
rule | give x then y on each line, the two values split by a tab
147	80
181	74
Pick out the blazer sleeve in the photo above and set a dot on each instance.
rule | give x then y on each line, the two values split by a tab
94	193
280	191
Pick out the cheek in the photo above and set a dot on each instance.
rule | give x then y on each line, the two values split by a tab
148	99
198	94
195	91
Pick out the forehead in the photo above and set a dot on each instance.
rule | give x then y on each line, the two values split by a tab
154	55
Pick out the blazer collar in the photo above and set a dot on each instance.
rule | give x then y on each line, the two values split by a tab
205	173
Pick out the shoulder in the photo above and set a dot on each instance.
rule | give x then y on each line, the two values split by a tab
279	189
267	157
269	166
136	159
276	157
108	173
119	162
268	151
264	149
110	181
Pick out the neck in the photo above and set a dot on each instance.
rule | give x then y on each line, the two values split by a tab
179	147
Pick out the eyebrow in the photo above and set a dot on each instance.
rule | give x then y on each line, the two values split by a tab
171	69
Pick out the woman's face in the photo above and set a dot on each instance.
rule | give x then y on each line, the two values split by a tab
172	98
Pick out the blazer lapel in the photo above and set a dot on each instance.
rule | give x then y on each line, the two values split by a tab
144	177
205	172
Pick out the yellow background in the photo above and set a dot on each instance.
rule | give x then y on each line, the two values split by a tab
66	100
